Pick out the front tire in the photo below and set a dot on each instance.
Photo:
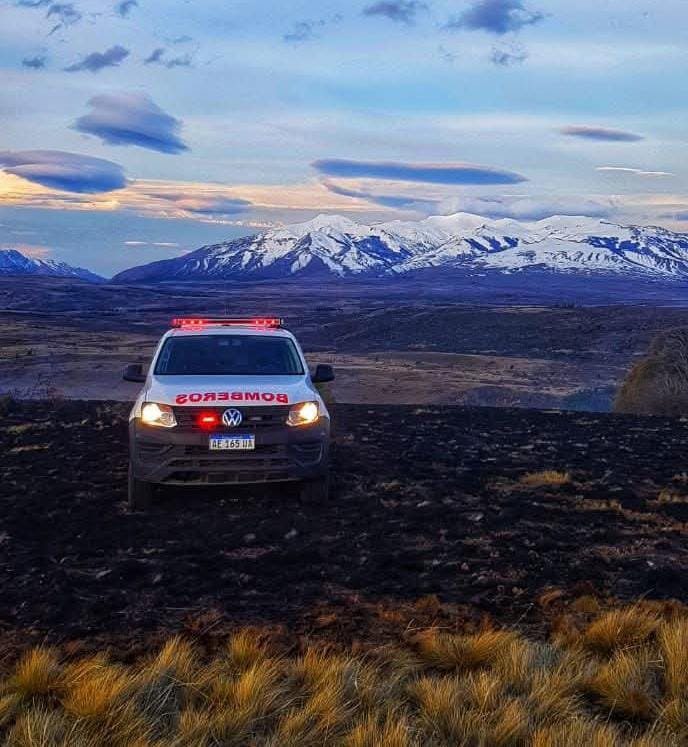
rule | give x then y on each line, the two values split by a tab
316	491
140	492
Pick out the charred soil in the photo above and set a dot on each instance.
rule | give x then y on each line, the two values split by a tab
431	521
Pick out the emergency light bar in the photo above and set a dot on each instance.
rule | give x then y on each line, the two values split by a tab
258	322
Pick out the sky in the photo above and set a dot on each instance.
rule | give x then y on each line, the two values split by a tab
136	130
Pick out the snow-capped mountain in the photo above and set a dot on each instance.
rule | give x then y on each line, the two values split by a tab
13	262
339	247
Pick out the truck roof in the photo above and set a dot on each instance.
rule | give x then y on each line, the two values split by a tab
234	329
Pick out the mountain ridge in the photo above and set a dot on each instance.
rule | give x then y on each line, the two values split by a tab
14	262
339	247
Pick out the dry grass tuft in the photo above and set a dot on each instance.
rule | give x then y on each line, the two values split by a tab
628	684
622	681
577	732
668	498
619	629
547	478
37	674
96	688
390	729
246	648
673	642
464	651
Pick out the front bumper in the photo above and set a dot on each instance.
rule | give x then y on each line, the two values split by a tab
180	456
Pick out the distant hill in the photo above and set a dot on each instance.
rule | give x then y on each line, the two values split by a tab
338	247
13	262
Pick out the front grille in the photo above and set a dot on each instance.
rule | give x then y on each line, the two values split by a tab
224	478
254	418
264	451
197	464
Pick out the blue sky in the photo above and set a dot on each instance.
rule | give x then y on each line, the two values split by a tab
136	130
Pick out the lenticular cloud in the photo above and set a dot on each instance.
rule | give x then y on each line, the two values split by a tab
132	119
69	172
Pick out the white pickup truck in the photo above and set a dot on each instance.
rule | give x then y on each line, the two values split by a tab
228	401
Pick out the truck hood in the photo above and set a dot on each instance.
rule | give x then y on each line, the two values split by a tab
229	390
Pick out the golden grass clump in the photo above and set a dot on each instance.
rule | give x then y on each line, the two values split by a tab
628	684
619	629
390	729
668	497
37	674
579	731
620	682
95	688
246	648
547	478
673	642
445	651
42	727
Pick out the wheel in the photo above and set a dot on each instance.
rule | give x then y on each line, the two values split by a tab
315	491
140	492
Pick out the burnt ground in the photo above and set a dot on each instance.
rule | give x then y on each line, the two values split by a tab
427	502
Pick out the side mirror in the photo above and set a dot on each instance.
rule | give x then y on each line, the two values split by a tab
323	373
134	372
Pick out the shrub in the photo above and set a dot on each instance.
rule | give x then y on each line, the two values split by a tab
547	478
658	384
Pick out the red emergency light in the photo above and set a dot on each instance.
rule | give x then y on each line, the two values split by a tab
207	419
199	323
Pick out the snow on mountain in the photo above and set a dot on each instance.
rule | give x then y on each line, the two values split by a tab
13	262
335	246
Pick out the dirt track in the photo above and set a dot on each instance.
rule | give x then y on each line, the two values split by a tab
427	502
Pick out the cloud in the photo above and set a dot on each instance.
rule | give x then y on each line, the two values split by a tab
433	173
157	57
632	172
603	134
98	60
66	14
507	56
132	119
69	172
307	30
496	17
34	63
125	7
212	205
33	3
447	55
182	61
206	200
401	202
402	11
302	31
159	244
528	208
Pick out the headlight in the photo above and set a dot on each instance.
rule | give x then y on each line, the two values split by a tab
159	415
303	413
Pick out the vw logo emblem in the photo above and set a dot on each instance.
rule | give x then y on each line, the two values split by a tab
232	418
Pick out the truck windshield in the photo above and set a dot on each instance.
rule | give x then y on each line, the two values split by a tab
228	355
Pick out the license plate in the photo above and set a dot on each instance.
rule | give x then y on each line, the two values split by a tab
235	442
